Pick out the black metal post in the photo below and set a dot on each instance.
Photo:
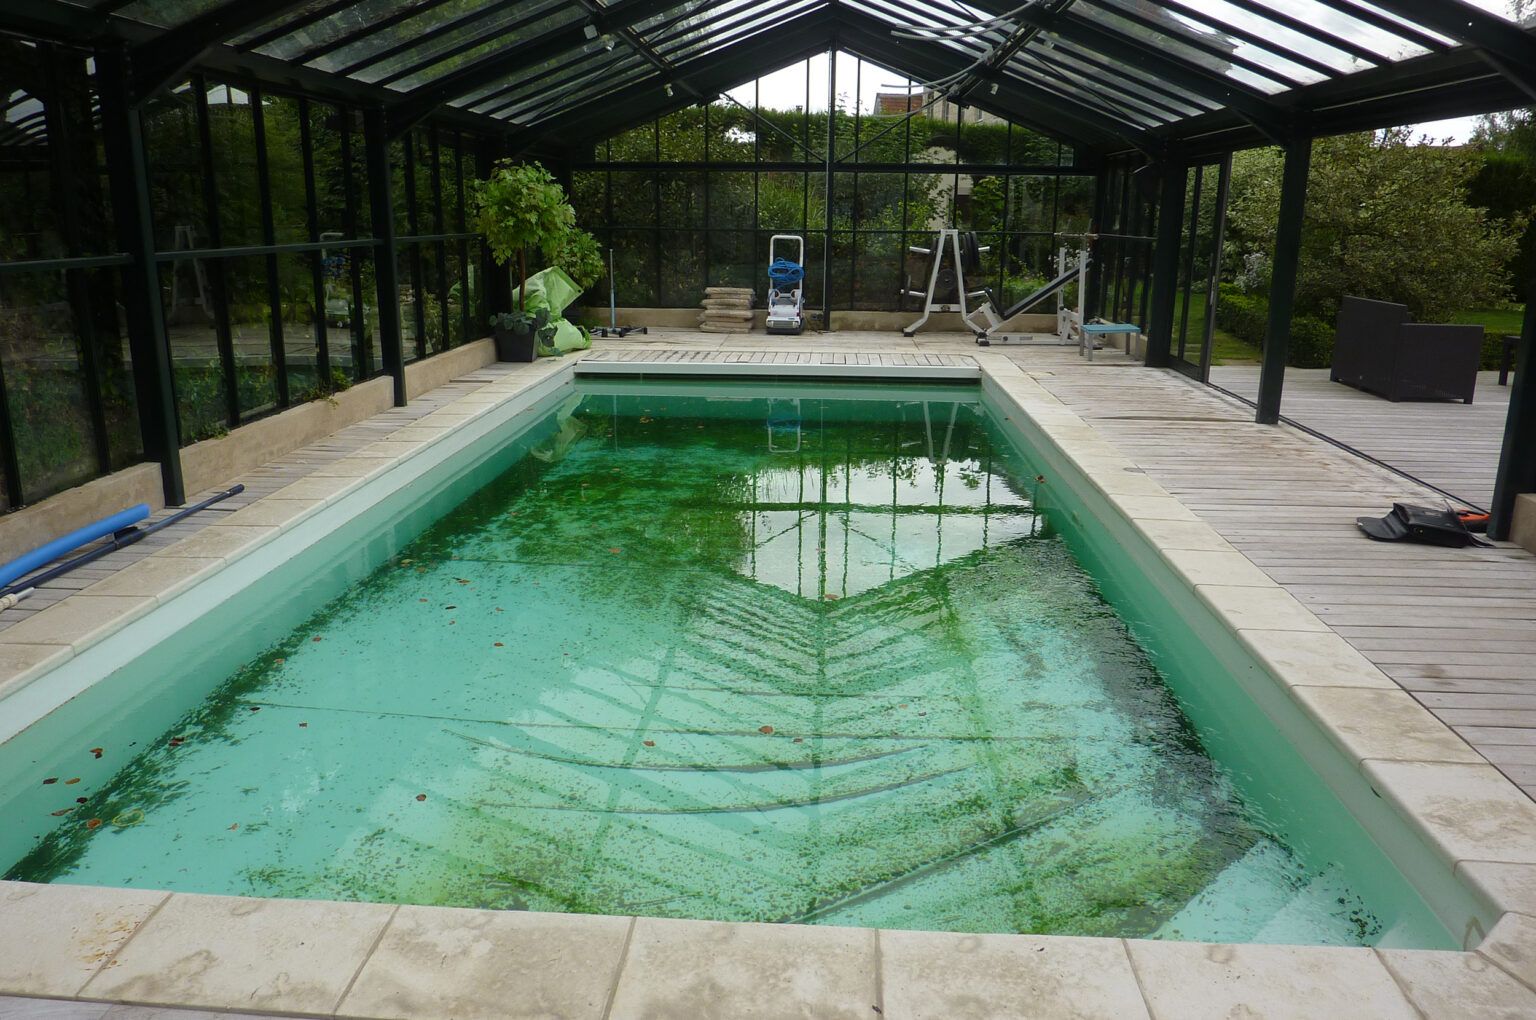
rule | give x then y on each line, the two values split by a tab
1282	282
1213	281
826	236
1165	264
152	378
385	255
1093	301
278	345
316	259
1517	461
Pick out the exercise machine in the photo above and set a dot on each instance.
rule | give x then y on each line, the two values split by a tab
961	251
1071	327
613	328
786	286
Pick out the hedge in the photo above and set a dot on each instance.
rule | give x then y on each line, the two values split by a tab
1246	316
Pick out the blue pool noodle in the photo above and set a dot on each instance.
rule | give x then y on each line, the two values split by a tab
29	562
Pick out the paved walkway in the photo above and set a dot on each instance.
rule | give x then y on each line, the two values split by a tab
1451	445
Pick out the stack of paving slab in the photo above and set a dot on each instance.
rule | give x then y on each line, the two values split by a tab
726	310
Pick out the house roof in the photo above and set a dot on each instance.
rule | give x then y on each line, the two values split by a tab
1106	75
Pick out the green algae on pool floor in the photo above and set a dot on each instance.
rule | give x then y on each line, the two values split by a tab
811	659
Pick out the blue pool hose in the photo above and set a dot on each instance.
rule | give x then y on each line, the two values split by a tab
121	538
25	564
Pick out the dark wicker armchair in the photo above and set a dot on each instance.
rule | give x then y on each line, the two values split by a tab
1379	350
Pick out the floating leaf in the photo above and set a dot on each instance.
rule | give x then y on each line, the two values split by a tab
830	597
279	661
133	816
98	752
71	782
615	550
80	800
61	811
255	708
421	796
765	729
799	740
648	743
317	639
93	823
232	828
498	644
303	725
177	741
50	780
450	607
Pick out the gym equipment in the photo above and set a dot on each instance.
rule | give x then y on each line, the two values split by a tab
1071	327
613	328
786	287
961	250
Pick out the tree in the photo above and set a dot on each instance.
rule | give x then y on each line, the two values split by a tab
1386	218
521	206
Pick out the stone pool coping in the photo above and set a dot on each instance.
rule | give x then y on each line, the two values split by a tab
378	960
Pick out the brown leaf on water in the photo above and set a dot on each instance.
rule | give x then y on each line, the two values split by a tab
50	780
61	811
765	729
177	741
498	644
232	828
648	743
421	600
71	782
450	607
93	823
317	638
421	796
830	597
799	740
279	662
98	752
80	800
255	708
615	550
303	725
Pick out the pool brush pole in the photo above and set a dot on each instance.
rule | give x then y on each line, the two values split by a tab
121	540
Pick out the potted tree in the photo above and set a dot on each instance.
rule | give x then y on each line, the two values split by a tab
520	206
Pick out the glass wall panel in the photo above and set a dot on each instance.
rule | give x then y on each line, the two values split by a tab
233	161
250	326
45	385
285	169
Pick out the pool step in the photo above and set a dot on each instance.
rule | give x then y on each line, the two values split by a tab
1255	899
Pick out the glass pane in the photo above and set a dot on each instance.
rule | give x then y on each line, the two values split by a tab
682	199
358	17
635	266
45	383
634	199
682	280
167	13
285	169
175	171
202	407
732	262
1201	31
681	135
250	328
636	145
1172	46
233	132
301	328
447	52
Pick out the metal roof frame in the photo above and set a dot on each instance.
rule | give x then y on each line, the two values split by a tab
1082	71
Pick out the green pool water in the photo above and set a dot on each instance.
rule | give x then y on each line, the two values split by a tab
829	657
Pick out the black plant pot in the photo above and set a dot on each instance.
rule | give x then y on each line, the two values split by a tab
518	345
514	346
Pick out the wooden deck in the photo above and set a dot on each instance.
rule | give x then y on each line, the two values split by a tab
1454	627
1451	445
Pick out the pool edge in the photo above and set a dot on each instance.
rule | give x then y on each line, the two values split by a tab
119	934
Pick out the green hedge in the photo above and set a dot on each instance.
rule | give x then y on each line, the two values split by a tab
1247	317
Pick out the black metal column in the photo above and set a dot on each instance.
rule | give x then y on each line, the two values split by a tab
153	382
1517	461
1165	264
826	237
385	255
1282	281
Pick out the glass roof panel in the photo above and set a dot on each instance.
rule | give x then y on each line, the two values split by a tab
1407	24
436	57
1205	37
376	18
1107	102
1327	19
1282	39
1176	47
1133	88
167	13
1088	58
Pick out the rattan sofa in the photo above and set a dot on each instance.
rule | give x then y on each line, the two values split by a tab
1377	348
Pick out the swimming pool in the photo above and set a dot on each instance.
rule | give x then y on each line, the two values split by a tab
832	654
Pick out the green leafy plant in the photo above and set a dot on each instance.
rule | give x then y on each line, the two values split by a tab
521	206
581	257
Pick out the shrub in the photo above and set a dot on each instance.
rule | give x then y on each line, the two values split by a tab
1247	317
